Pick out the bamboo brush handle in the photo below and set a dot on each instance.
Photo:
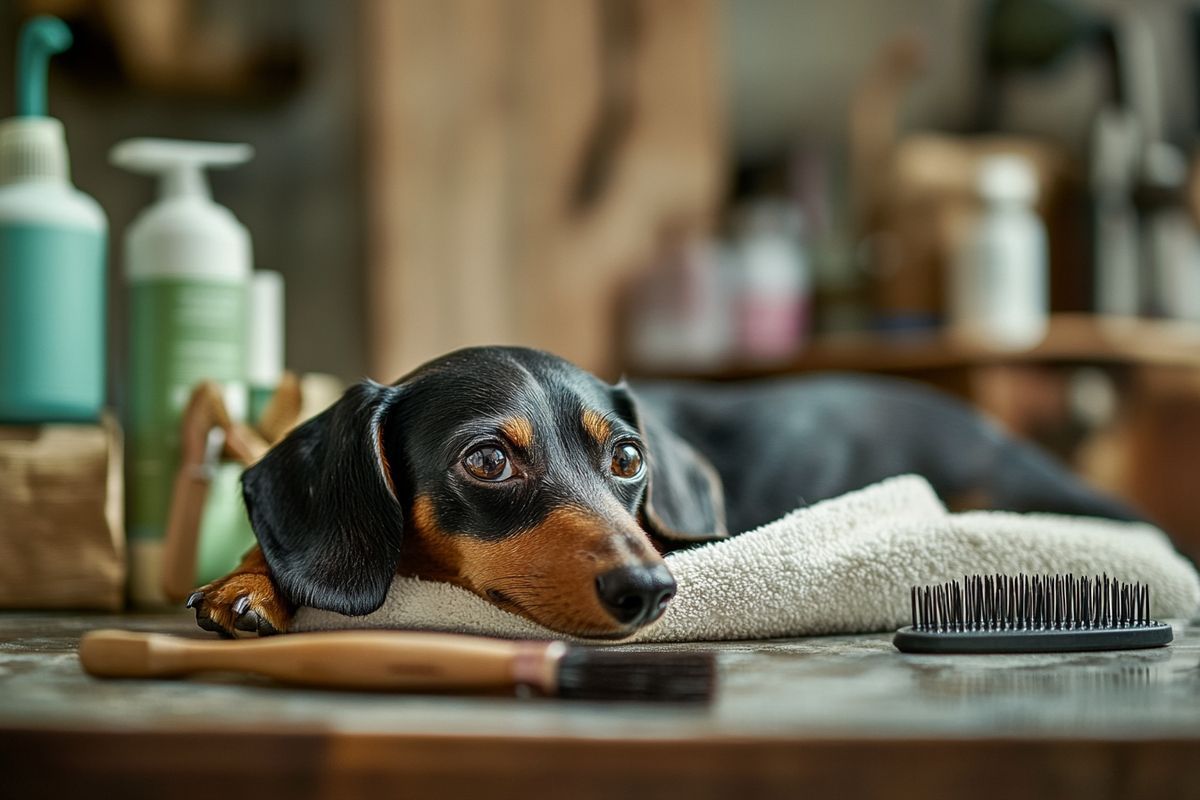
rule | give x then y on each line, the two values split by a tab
380	660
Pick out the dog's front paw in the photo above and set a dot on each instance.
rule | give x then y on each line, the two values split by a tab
241	602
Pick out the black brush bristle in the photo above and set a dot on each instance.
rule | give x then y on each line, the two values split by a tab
586	673
1030	602
1031	613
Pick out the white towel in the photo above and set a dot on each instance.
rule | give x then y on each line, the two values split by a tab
844	565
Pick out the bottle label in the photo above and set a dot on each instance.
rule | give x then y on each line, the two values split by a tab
772	327
52	297
999	287
182	332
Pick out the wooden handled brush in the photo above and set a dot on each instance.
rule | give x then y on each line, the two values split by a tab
409	662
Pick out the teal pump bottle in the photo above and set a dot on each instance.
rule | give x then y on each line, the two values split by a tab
52	250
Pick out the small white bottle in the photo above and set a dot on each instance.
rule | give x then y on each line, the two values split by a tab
998	292
680	316
264	339
773	298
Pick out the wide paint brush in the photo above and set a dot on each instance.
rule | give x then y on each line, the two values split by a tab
398	661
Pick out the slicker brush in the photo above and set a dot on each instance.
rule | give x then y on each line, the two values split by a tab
1031	614
400	661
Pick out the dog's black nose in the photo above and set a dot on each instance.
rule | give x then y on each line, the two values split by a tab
636	595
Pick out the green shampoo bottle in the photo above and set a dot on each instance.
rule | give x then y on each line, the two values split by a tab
52	252
188	262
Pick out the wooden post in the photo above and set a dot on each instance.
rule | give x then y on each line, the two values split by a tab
483	120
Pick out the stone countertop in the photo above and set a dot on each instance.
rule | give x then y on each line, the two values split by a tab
831	687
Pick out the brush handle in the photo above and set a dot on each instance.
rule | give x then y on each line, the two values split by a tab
379	660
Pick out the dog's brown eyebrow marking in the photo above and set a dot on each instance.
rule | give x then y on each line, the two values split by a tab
519	431
596	425
424	517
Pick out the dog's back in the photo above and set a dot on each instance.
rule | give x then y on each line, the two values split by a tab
779	444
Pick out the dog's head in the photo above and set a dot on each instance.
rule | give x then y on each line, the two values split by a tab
507	471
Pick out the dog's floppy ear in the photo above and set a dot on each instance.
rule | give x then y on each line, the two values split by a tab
324	507
684	500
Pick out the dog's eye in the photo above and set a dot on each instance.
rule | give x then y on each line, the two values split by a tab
488	463
626	460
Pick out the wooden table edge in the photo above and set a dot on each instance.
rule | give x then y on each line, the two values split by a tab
314	761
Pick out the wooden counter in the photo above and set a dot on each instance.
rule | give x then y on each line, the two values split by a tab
843	716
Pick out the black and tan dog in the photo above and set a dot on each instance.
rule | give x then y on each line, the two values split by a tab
552	494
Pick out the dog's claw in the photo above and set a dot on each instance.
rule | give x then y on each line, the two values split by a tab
247	621
208	625
194	599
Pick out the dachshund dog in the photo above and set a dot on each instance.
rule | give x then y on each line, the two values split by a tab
552	494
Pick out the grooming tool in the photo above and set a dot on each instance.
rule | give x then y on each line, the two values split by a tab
1031	614
401	661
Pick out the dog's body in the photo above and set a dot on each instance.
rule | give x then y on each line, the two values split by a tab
548	492
781	444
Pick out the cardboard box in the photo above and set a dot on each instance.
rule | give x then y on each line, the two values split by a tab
62	534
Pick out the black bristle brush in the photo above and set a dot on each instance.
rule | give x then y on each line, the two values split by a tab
401	661
1031	614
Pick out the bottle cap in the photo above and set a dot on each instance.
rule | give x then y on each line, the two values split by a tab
32	145
1008	177
1164	166
33	148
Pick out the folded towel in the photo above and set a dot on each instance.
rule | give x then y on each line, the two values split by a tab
844	565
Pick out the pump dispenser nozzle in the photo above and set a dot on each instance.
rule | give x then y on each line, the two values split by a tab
32	145
179	164
42	37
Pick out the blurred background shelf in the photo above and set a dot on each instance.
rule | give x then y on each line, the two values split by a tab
1072	340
